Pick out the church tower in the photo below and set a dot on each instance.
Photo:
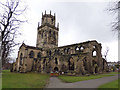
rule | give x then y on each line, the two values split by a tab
47	32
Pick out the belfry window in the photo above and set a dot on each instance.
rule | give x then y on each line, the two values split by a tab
52	20
31	54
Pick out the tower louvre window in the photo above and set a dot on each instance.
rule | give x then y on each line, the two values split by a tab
50	32
52	20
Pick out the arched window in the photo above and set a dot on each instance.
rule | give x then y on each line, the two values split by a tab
42	34
56	62
50	53
94	53
44	61
65	50
21	56
31	54
77	48
68	50
94	46
71	64
81	48
85	64
39	55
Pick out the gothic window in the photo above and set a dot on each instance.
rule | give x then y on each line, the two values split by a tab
42	34
54	33
35	60
44	61
39	55
50	53
81	48
31	54
71	64
77	48
85	64
65	50
55	51
21	56
56	62
68	50
94	53
94	46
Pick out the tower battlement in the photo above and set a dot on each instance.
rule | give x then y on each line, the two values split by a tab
48	19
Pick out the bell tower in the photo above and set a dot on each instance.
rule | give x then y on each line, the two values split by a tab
47	32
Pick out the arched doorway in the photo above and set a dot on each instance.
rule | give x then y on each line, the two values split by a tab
56	69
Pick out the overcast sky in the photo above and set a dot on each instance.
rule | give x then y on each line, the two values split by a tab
78	22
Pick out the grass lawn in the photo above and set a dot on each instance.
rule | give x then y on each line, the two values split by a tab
23	80
70	79
113	84
114	73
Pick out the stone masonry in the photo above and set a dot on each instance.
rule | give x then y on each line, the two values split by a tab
81	58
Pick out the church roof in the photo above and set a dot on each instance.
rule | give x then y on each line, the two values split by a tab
30	47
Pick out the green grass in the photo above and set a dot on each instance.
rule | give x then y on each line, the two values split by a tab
71	79
23	80
114	72
113	84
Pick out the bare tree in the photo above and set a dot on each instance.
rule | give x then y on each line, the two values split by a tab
106	53
115	10
10	21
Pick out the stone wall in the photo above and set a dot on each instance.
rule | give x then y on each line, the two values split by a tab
82	58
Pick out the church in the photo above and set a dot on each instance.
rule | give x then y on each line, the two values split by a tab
80	58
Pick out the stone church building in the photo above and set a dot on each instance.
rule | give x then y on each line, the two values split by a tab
81	58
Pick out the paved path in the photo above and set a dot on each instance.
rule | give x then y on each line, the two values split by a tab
94	83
